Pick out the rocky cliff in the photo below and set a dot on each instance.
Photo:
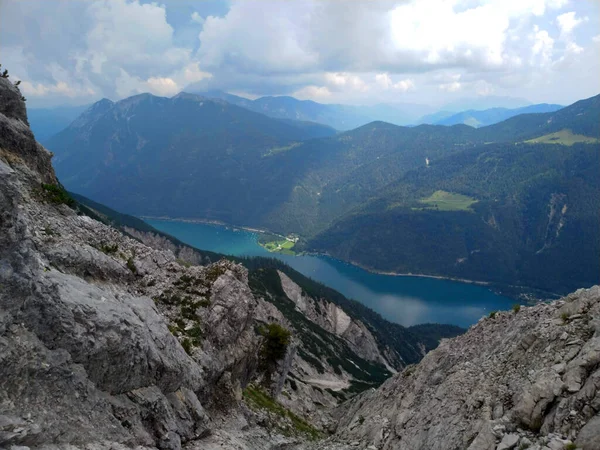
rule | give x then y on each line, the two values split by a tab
113	342
108	340
524	379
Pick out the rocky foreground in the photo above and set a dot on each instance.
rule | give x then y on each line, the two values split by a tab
110	342
525	379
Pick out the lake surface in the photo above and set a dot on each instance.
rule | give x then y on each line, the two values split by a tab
401	299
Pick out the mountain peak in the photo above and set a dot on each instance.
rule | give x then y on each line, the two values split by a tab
103	103
137	99
193	97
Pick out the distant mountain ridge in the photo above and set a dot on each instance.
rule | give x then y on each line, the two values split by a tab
340	117
482	102
347	117
486	117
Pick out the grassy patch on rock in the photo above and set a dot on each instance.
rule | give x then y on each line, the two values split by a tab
56	194
257	399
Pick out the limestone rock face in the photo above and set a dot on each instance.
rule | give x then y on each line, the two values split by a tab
333	319
86	355
17	143
112	342
519	380
12	107
81	361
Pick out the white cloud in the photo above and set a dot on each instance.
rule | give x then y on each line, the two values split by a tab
60	88
573	48
410	36
192	73
543	47
162	86
313	93
135	37
342	51
432	33
404	85
384	81
567	22
346	81
483	88
102	48
453	86
249	40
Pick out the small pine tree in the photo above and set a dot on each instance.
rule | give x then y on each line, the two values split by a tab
18	82
274	348
276	342
5	74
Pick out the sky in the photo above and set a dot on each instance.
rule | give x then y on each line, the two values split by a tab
433	52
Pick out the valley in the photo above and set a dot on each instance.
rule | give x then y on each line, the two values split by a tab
407	300
299	225
443	201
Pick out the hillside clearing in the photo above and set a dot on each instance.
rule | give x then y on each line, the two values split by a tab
563	137
447	201
276	150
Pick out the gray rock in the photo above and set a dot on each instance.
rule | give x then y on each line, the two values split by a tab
589	436
558	444
17	143
508	442
485	440
486	367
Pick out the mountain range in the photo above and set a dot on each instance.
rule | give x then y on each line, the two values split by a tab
46	122
346	117
452	201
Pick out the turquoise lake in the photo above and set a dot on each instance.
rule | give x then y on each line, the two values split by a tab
402	299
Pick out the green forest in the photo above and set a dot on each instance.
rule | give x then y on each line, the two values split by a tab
514	203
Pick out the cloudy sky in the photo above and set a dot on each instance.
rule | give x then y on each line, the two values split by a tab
338	51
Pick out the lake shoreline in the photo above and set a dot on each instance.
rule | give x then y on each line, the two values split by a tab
407	299
517	293
354	263
495	287
407	274
209	222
